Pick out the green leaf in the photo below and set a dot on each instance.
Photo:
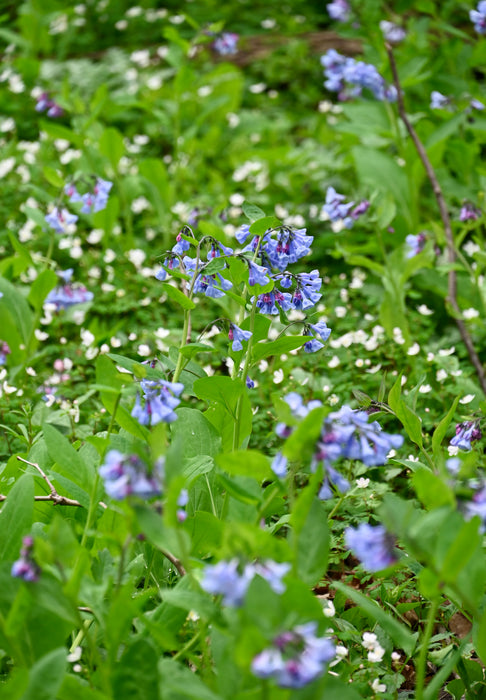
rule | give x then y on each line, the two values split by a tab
441	430
246	463
465	545
18	308
63	453
411	422
277	347
431	490
176	295
192	349
16	517
196	434
215	265
301	444
111	146
313	544
252	212
152	526
40	288
259	227
107	374
401	635
52	177
237	488
76	688
479	637
177	682
220	390
136	674
46	676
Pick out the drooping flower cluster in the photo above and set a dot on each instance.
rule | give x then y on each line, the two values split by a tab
44	102
92	201
415	244
59	219
478	17
339	10
226	43
345	434
231	580
373	546
25	567
67	294
466	432
160	400
469	212
337	210
297	657
4	351
392	32
349	77
127	475
319	329
438	100
236	335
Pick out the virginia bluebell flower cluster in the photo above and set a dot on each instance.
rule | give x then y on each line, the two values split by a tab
25	567
438	100
392	32
466	432
345	434
231	580
349	77
236	335
4	351
128	475
415	244
339	10
336	209
226	44
59	219
373	546
297	657
92	201
478	17
68	294
44	102
319	329
160	400
469	212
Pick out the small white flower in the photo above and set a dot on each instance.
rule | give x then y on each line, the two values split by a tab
425	389
378	687
144	350
470	313
376	655
424	310
329	610
441	375
467	399
340	311
444	352
453	450
362	483
333	400
369	640
40	335
278	376
395	656
334	361
398	336
414	349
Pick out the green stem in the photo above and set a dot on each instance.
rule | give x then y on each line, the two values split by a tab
180	359
421	665
213	504
336	508
239	404
189	645
93	503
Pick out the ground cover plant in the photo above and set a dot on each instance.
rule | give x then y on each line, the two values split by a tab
241	351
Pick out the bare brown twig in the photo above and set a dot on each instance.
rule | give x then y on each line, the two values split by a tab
444	215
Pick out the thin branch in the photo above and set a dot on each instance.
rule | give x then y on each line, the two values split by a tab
53	496
174	560
444	215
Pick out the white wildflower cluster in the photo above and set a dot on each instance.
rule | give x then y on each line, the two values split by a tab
371	644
